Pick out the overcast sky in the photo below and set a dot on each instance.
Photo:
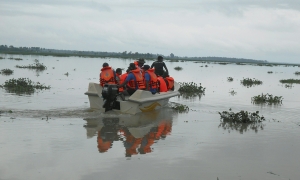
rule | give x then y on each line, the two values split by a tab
256	29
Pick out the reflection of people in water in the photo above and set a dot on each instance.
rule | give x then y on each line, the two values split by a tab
133	145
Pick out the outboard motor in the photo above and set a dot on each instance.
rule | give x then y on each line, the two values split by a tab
109	94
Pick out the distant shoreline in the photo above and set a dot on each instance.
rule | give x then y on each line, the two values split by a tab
148	56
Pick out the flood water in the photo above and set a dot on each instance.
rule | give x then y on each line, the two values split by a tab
52	134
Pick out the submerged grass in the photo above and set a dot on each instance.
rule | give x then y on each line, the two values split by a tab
290	81
267	98
37	65
179	107
6	71
23	86
248	82
191	89
229	79
270	72
297	73
178	68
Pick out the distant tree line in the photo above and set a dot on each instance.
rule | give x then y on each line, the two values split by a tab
56	52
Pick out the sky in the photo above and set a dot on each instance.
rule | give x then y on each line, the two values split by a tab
255	29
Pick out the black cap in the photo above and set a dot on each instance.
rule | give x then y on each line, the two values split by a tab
105	64
131	66
146	67
141	60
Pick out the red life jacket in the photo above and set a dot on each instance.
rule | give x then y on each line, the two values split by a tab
136	63
170	83
153	79
139	80
162	84
107	76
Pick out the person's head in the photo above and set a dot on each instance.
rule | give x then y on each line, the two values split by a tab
119	71
141	62
131	66
105	64
128	70
160	58
146	67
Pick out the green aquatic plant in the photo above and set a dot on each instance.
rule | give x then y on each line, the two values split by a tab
190	89
223	63
232	92
241	117
1	57
297	73
266	98
250	82
290	81
179	107
178	68
240	64
23	85
37	65
18	59
174	60
7	71
229	79
289	86
270	72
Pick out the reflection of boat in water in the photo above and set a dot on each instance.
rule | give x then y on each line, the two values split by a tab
137	132
140	101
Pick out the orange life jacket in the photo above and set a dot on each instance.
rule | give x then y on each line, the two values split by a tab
153	79
139	80
122	78
136	63
170	83
162	84
107	76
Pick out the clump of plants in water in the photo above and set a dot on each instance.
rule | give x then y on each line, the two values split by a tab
191	89
1	57
37	65
241	117
7	71
270	72
223	63
174	60
232	92
23	85
290	81
179	107
178	68
248	82
266	98
229	79
297	73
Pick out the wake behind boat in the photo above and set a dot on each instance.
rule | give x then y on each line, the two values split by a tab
140	101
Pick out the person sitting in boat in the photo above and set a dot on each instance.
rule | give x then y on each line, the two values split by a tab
107	75
134	79
118	78
169	81
150	79
159	66
139	63
162	86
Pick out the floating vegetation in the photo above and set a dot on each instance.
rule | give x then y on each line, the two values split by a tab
191	89
232	92
266	98
174	60
178	68
1	57
229	79
250	82
18	59
7	71
290	81
241	117
223	63
240	64
206	65
297	73
270	72
179	107
37	65
288	86
23	85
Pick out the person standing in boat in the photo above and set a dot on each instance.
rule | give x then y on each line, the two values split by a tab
134	80
150	79
159	66
107	75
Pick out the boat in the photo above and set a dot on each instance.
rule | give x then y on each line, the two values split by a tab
107	98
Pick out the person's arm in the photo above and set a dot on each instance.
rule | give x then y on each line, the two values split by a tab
166	68
129	77
147	79
152	65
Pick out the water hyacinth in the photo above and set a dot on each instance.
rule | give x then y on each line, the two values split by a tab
190	89
241	117
7	71
248	82
179	107
297	73
290	81
23	85
266	98
229	79
37	65
178	68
